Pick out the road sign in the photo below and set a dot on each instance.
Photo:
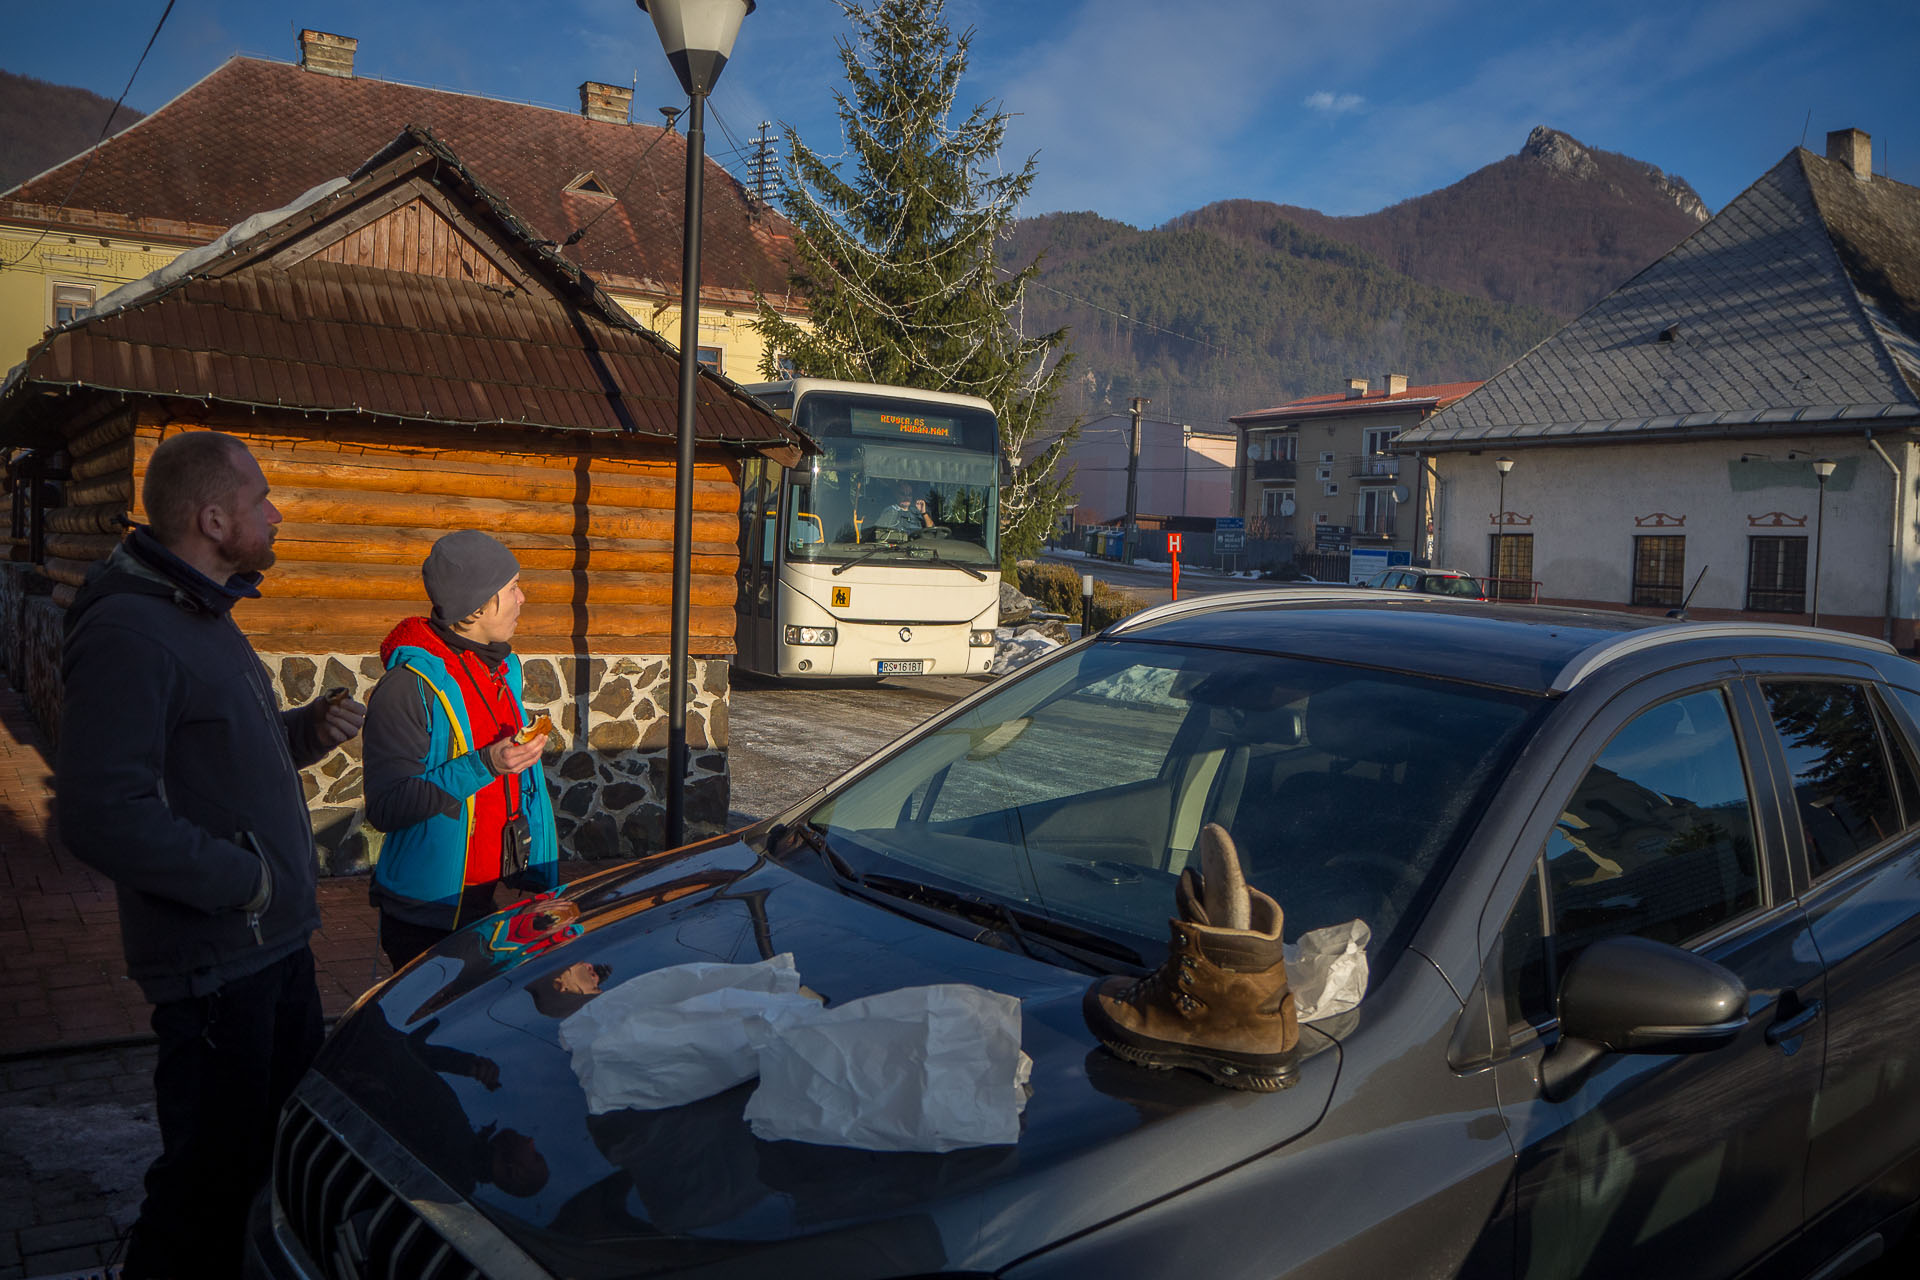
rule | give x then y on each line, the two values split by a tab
1332	537
1173	544
1227	524
1230	540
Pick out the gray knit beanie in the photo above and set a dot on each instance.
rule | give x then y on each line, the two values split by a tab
464	571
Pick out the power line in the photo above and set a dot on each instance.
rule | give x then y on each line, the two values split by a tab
104	126
580	233
763	165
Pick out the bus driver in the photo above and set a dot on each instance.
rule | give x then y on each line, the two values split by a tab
907	512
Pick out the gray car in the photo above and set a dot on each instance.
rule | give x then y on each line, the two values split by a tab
1644	901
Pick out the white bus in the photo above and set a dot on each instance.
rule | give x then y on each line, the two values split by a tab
879	556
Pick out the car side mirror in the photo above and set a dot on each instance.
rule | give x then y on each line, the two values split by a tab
1634	995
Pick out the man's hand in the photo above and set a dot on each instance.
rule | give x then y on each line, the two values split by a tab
336	718
508	756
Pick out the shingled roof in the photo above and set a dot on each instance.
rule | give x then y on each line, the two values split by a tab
254	134
1337	403
490	326
1795	309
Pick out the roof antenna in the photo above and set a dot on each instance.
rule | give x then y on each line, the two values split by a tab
672	114
1803	129
1681	612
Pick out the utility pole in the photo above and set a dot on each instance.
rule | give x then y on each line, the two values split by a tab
1131	542
760	166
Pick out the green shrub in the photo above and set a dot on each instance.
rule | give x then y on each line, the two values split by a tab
1055	588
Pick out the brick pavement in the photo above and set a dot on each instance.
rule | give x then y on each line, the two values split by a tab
65	984
76	1056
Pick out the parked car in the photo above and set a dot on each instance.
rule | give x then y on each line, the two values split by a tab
1433	582
1645	909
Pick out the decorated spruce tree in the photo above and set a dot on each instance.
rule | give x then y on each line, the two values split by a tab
895	252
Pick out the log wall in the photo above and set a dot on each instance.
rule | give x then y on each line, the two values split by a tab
590	519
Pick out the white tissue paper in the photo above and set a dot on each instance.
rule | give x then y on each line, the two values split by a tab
677	1035
1327	969
918	1069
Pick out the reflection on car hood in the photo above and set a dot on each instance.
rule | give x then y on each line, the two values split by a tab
650	1192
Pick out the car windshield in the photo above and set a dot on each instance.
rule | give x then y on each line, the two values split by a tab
1451	586
1078	792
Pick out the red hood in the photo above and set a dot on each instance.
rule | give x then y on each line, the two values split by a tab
418	633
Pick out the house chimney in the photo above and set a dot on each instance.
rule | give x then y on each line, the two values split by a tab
1394	383
1853	148
330	55
607	103
1356	387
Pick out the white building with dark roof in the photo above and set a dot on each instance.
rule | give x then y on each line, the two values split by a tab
1670	435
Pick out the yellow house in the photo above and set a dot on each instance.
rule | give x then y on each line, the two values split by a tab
255	134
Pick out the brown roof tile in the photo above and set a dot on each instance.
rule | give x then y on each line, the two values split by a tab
255	134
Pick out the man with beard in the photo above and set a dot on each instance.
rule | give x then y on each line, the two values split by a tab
177	778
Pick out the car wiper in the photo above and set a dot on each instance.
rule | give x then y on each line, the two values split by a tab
811	835
1021	926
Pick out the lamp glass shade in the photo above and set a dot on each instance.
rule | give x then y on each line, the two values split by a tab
1503	465
1824	467
698	36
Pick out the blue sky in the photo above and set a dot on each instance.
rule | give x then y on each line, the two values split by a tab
1142	109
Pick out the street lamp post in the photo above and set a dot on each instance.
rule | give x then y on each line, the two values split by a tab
1821	470
698	37
1502	465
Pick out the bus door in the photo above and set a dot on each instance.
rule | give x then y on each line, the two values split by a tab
758	575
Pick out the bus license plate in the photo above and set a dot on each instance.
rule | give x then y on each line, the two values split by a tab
903	666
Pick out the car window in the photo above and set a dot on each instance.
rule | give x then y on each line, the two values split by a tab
1903	766
1658	838
1842	779
1453	586
1079	790
1528	980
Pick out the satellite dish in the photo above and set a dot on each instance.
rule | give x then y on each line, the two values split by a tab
1286	506
1400	493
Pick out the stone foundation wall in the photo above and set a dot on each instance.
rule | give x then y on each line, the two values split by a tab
42	623
605	763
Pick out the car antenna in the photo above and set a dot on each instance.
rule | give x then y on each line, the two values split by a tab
1681	612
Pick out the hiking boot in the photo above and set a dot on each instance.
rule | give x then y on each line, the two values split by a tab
1219	1004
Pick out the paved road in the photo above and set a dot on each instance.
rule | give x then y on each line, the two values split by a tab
1156	584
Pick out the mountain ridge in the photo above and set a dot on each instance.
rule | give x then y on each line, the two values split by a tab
47	123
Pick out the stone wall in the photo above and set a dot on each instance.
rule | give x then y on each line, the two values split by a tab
605	763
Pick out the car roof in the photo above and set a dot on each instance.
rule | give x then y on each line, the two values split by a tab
1536	649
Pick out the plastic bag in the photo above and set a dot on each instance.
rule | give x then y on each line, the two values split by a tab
918	1069
1327	969
679	1034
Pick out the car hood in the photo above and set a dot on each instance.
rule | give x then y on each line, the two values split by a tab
460	1062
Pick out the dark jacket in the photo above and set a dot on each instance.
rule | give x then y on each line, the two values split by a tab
173	751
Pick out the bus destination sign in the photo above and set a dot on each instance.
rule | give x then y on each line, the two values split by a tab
905	425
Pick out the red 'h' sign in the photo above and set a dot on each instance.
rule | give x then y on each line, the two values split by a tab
1173	544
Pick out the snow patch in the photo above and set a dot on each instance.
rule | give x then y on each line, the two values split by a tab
1012	650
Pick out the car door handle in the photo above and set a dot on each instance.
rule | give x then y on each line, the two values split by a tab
1789	1027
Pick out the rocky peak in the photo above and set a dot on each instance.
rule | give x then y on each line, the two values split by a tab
1568	157
1558	152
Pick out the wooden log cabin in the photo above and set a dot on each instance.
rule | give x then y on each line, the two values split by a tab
405	360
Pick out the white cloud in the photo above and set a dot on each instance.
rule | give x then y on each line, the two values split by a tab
1333	104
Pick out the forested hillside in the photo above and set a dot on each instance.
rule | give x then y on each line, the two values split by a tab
1209	324
1245	304
1557	225
42	124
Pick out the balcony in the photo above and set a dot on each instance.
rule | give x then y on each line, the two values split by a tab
1273	468
1377	466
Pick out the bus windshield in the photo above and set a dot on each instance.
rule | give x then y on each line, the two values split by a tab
899	482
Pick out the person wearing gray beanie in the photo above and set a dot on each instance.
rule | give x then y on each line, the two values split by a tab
453	772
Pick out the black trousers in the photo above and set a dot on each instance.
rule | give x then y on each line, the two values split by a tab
402	940
227	1063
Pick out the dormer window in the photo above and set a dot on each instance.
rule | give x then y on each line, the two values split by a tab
588	185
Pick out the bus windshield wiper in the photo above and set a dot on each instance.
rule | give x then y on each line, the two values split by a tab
964	568
878	547
1021	926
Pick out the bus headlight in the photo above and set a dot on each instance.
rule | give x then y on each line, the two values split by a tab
813	635
980	639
